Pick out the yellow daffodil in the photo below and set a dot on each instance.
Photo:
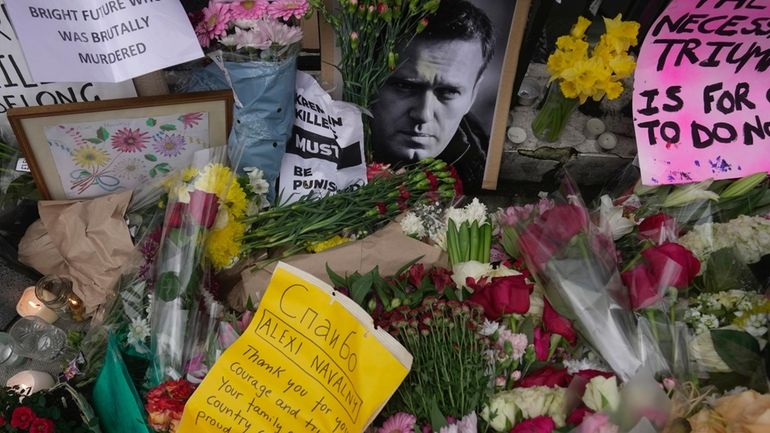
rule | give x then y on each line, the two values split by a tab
579	29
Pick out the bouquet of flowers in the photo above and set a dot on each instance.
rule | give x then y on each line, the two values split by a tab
165	404
368	33
202	231
580	72
254	45
59	409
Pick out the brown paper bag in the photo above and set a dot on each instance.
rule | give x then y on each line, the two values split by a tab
389	248
85	240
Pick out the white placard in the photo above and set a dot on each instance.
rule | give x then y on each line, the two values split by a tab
102	40
18	89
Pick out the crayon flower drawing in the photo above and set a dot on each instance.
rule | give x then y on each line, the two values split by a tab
97	158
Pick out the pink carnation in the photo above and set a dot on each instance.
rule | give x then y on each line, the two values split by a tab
285	9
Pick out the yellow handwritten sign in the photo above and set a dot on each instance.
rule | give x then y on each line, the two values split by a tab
310	362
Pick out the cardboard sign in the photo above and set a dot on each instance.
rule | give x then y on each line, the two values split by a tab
701	93
102	40
311	361
18	89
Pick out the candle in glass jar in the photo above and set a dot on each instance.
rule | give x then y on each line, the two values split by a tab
31	381
30	305
76	306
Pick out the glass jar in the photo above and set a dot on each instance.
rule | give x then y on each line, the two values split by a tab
553	115
36	339
56	293
9	354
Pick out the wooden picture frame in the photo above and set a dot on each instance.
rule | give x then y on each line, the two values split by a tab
34	125
493	101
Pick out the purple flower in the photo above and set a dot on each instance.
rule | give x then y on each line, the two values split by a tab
169	145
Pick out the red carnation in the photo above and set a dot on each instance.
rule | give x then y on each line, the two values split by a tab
22	417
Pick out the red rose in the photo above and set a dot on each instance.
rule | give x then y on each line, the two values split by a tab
673	264
41	425
590	374
542	344
503	295
576	416
555	323
174	218
2	420
658	228
546	376
535	246
563	222
203	208
538	424
22	417
643	289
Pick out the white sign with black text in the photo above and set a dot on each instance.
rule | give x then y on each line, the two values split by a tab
102	40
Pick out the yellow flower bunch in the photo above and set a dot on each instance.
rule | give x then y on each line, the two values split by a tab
596	73
223	244
332	242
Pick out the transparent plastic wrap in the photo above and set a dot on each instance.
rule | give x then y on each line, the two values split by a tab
576	265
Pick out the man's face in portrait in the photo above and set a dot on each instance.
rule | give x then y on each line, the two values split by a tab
422	103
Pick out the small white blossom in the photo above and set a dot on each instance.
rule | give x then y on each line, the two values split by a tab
138	331
412	225
489	328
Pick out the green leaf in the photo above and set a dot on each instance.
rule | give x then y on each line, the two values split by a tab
153	172
167	287
151	122
336	279
163	167
361	287
102	133
94	140
167	127
437	419
738	349
725	271
150	157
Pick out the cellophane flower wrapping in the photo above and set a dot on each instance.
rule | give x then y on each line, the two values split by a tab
197	206
576	265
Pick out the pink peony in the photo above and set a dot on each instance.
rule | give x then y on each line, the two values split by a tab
285	9
399	423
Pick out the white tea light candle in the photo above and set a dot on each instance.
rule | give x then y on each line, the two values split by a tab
594	128
30	305
607	141
31	381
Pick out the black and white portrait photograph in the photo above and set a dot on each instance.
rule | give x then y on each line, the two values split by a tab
441	100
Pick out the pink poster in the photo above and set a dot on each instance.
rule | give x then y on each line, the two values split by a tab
702	92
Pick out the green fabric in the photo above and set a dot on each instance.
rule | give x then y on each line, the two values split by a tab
114	393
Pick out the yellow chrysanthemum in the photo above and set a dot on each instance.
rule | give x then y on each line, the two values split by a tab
236	200
215	179
189	173
579	29
223	246
89	156
327	244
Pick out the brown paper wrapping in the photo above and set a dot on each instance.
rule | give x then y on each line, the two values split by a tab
389	249
85	240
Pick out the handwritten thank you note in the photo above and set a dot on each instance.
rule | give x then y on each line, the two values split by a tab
310	362
702	92
102	40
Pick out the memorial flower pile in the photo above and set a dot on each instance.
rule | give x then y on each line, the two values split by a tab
48	411
264	29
